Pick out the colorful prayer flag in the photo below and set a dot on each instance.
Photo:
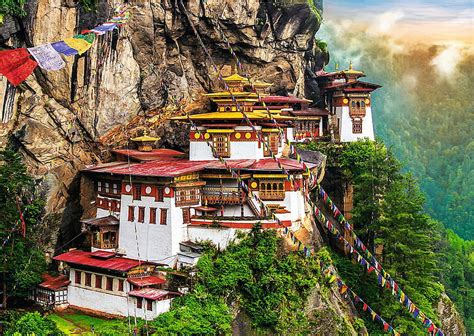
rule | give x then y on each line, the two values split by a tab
47	57
16	65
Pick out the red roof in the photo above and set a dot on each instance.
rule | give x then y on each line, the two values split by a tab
147	156
169	167
152	293
149	280
103	254
54	283
78	257
310	112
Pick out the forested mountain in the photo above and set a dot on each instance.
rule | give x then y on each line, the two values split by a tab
424	111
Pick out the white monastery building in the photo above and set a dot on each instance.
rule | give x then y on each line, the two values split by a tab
154	206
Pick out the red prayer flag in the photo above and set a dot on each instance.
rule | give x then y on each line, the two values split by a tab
385	326
16	65
365	307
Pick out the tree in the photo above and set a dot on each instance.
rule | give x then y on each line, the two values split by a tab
22	260
33	324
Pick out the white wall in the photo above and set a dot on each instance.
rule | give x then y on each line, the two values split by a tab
158	307
156	242
97	299
221	237
346	134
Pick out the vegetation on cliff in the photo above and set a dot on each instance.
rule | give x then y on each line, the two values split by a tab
23	261
255	276
415	250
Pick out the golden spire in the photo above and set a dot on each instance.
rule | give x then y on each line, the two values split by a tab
336	66
236	71
350	65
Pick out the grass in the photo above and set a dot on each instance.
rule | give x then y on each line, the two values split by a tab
76	323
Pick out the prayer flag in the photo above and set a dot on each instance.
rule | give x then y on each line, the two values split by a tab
365	306
16	65
343	289
63	48
385	326
47	57
80	45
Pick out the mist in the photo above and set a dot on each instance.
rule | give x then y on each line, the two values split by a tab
424	110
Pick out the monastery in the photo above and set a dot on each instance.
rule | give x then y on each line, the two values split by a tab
154	206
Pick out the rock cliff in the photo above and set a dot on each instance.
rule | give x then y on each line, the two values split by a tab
64	120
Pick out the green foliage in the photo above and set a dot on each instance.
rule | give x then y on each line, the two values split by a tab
88	5
456	266
22	260
12	7
33	324
425	112
269	285
388	211
195	314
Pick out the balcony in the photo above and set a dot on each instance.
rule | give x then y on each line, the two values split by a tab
237	222
278	195
222	195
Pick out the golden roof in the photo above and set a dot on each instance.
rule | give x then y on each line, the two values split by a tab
235	78
145	138
351	71
230	94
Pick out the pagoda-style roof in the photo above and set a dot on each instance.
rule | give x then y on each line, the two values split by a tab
147	156
238	94
145	138
152	293
284	99
355	86
235	78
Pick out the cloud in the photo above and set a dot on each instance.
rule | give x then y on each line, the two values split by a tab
385	22
447	60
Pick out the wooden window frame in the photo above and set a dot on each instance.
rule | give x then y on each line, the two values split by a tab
98	281
88	279
109	283
186	215
141	214
187	196
357	126
272	190
120	285
139	303
77	277
221	144
152	216
149	305
131	213
159	193
163	216
272	140
137	191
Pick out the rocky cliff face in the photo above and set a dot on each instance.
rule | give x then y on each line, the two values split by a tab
64	120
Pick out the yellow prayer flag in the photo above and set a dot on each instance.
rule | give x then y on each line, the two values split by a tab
373	315
383	281
80	45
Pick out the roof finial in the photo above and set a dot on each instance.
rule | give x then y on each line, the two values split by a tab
235	69
350	65
336	66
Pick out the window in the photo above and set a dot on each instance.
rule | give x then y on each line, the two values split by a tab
356	126
357	107
272	190
152	215
120	285
149	305
77	277
272	141
163	215
109	285
221	145
115	189
131	213
141	214
186	215
188	196
88	280
137	191
98	281
159	194
99	186
139	303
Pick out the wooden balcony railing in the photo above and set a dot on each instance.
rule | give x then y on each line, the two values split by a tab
272	195
222	195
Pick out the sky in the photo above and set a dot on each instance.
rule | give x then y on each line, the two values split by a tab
413	21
